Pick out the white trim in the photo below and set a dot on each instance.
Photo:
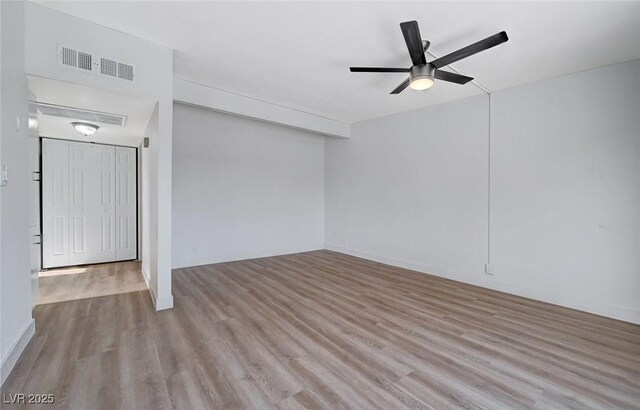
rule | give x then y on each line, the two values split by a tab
186	263
590	306
160	303
164	303
12	356
145	276
190	93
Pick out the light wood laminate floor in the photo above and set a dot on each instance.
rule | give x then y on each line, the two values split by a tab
81	282
326	330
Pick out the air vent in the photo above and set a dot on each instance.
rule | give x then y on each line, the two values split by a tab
85	61
116	69
125	71
69	57
82	60
72	58
108	67
80	114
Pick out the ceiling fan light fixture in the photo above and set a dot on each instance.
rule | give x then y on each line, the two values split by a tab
421	83
85	128
421	76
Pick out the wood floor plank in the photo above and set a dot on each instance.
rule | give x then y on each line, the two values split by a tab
319	330
94	384
193	390
141	382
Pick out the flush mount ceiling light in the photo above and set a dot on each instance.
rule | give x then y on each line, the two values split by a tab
85	128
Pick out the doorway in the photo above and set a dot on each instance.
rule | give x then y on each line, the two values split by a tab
89	235
89	203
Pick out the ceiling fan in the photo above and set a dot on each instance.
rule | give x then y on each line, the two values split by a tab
423	73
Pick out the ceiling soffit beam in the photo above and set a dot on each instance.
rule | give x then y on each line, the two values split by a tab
187	92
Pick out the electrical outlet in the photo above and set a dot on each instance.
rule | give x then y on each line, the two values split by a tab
488	269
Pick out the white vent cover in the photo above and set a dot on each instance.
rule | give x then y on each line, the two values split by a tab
85	61
125	71
116	69
72	58
81	114
108	67
69	57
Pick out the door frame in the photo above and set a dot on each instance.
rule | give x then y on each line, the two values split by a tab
40	138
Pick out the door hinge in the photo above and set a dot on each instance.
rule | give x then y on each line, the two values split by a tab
37	239
36	175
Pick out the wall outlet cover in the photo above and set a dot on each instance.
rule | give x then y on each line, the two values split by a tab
488	269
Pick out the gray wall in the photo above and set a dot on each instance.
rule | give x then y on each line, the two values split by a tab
411	189
243	189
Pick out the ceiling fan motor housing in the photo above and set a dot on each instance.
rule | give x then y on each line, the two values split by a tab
422	71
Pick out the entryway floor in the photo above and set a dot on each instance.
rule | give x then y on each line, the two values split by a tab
81	282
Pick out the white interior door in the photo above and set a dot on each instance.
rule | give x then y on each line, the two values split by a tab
92	203
89	203
55	203
126	223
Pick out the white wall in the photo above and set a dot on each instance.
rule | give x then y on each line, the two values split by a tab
413	187
16	323
565	210
243	188
411	190
45	29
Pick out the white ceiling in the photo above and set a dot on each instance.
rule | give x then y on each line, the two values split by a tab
137	110
297	54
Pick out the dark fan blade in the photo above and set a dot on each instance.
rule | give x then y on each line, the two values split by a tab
425	45
452	77
401	87
411	34
378	70
474	48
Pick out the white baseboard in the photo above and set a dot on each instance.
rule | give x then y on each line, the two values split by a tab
160	303
590	306
145	275
164	303
208	260
12	356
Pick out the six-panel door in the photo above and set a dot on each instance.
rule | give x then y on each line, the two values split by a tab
89	207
